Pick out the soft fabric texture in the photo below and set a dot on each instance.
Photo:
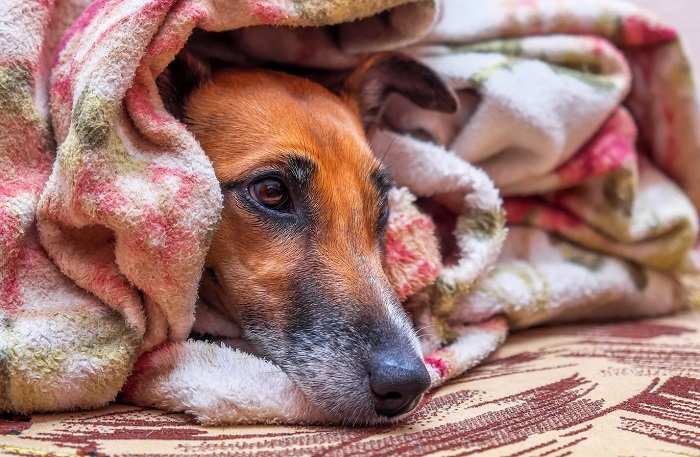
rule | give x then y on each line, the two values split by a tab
618	389
581	115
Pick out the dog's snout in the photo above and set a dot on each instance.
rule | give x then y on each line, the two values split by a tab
397	380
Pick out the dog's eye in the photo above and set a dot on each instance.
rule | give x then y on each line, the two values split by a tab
270	192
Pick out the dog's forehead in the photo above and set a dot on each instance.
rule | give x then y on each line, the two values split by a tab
262	116
284	98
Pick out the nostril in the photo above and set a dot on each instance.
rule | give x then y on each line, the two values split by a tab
377	390
397	381
391	396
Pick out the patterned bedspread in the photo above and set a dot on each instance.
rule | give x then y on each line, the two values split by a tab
620	389
564	189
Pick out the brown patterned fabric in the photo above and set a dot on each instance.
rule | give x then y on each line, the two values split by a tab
619	389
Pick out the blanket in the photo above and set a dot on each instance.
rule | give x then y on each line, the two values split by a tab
563	189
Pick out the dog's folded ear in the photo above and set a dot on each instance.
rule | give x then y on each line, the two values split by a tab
179	79
369	86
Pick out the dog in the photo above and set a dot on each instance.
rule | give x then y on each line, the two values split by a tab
297	259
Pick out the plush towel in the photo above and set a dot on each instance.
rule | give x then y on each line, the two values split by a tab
581	115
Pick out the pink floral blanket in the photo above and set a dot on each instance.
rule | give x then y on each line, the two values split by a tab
565	187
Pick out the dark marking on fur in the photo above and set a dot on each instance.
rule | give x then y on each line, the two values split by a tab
301	169
393	72
379	178
184	74
212	275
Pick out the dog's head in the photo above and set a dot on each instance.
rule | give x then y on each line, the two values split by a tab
297	259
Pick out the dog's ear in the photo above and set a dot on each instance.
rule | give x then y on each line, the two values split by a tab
179	79
368	87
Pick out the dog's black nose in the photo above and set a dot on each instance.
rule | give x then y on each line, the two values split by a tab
397	379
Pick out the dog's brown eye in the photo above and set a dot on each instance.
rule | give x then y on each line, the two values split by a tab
270	192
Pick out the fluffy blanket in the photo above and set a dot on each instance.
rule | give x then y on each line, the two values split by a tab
580	115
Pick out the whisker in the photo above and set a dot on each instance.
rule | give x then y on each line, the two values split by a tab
396	157
387	149
426	326
394	176
420	331
429	325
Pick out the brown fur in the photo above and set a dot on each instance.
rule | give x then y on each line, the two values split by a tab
306	284
286	117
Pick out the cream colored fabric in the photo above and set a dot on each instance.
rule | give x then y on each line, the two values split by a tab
627	388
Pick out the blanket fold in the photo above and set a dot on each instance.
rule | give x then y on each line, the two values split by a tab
563	188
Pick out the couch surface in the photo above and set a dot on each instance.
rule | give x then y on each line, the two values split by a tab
617	389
